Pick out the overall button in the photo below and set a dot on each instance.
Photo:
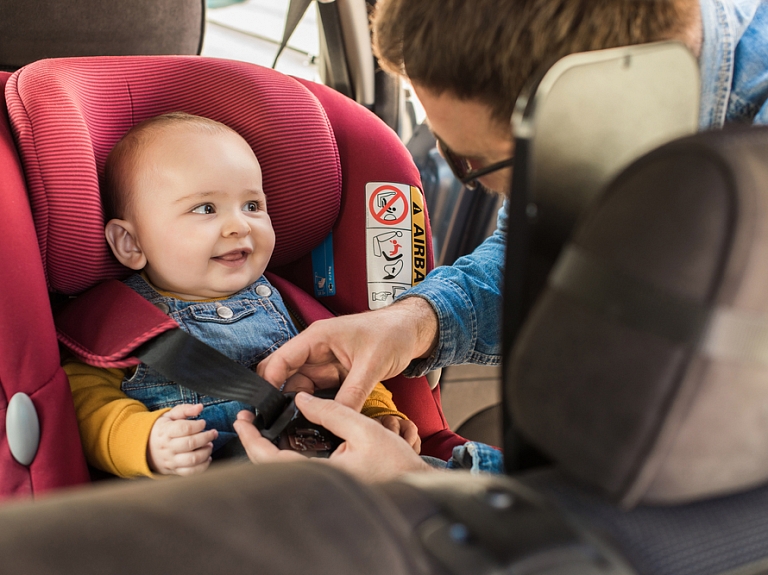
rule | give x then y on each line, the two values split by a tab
263	291
163	307
224	312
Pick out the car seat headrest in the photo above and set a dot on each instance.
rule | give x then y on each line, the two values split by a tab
642	368
35	29
67	115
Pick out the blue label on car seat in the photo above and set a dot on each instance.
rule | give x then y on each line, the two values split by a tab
322	268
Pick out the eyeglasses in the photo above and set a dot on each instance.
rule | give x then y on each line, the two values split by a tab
462	169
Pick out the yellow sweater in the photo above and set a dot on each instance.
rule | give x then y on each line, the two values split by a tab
114	428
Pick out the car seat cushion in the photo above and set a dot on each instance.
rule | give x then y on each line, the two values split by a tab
67	114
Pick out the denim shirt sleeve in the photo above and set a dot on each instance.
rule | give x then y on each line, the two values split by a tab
748	100
466	297
477	458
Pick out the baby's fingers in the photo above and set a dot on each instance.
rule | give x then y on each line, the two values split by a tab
184	411
391	422
184	427
193	462
410	433
193	442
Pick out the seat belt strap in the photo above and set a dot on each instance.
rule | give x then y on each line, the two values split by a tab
296	11
196	365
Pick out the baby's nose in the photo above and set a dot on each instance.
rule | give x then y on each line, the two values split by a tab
237	225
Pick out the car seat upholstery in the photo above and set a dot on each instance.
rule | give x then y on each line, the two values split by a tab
29	356
317	151
35	29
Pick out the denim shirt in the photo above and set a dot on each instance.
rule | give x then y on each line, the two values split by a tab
467	295
734	62
246	327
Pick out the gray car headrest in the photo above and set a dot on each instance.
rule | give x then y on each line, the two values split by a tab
643	366
35	29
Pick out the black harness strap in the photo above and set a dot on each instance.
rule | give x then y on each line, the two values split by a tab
196	365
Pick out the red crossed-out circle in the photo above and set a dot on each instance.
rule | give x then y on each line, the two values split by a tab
379	215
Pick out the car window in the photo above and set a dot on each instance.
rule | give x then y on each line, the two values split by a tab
252	31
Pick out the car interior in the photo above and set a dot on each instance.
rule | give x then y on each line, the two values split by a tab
632	406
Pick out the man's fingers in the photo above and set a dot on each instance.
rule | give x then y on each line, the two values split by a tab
353	395
259	449
298	382
339	419
184	411
246	416
284	362
359	383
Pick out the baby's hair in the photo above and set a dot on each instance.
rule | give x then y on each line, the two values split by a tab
122	160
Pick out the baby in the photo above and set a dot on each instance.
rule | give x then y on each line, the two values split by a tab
185	208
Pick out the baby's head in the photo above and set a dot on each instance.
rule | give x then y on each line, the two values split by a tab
184	202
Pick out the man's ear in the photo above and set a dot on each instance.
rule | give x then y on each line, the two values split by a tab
121	236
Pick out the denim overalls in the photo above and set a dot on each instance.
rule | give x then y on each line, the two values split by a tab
246	327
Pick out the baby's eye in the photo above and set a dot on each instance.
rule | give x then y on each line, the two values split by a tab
204	209
251	207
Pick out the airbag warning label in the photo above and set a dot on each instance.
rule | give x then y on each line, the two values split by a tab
396	248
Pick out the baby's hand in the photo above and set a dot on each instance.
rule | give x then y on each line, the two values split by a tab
178	446
404	428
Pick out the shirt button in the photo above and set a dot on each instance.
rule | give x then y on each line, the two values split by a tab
163	307
224	312
263	291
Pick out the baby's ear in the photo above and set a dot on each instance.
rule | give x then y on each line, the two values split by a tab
121	237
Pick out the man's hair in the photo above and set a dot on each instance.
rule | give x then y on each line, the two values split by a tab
488	49
122	161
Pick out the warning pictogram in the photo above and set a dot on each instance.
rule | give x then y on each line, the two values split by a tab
388	205
394	213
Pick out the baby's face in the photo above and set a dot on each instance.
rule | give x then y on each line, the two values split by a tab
200	214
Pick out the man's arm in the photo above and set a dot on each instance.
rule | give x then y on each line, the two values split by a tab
454	319
360	349
466	299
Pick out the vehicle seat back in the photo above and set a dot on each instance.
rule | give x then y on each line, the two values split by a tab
36	29
642	367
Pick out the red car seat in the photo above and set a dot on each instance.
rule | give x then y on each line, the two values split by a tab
318	151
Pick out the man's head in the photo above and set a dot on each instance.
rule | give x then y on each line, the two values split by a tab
483	52
184	202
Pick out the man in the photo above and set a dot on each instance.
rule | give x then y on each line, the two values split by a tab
467	61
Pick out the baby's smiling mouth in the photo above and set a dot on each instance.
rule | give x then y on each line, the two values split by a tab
234	257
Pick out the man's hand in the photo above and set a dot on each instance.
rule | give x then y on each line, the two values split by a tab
404	428
355	350
369	452
178	446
